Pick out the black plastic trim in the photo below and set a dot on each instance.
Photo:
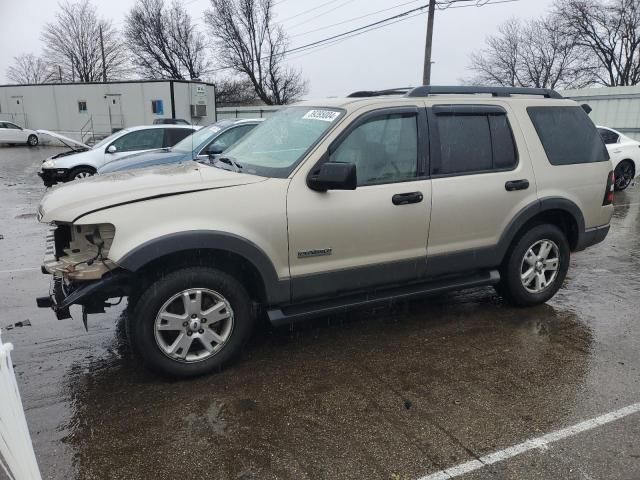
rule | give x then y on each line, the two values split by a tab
286	315
340	282
464	109
277	290
593	236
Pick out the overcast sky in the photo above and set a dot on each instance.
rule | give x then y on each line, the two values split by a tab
388	57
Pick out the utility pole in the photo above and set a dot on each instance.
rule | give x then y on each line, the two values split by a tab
104	63
426	75
60	73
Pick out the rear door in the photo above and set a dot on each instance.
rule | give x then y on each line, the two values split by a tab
480	180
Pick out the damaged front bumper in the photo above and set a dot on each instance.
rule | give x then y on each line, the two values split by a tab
91	295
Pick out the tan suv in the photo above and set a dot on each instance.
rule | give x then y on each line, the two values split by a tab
331	205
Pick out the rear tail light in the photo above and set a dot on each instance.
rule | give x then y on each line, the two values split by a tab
608	193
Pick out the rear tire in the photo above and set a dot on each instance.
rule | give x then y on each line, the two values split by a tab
624	174
176	316
535	266
32	141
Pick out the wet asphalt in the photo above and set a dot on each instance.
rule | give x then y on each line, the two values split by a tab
393	393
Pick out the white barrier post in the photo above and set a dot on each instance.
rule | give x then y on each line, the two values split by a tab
17	458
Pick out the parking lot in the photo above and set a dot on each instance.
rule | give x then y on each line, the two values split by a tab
407	391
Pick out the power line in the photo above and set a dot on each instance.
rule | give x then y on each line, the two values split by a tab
310	10
353	19
321	14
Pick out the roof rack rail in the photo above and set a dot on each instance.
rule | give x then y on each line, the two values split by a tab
377	93
428	90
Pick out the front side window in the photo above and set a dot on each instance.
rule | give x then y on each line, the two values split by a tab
474	143
567	135
231	136
140	140
384	149
12	126
608	136
275	147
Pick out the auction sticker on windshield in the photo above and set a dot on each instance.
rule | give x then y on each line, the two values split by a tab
324	115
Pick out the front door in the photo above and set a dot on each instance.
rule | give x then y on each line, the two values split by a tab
346	240
116	121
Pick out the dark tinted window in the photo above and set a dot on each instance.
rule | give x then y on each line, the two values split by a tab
384	149
231	136
504	150
608	136
567	135
465	144
174	135
140	140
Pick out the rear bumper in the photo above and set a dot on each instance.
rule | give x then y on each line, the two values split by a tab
51	176
91	295
592	236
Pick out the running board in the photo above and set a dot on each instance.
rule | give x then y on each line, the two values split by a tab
295	313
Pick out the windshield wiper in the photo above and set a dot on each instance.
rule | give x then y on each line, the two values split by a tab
230	161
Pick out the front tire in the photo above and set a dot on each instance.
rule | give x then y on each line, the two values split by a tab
79	173
535	266
32	141
191	322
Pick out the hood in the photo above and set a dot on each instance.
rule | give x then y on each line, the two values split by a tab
144	159
67	202
69	142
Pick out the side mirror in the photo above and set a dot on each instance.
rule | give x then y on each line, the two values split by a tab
215	149
112	149
333	176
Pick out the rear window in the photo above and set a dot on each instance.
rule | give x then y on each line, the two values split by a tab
567	135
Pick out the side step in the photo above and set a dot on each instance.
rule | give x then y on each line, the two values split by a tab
295	313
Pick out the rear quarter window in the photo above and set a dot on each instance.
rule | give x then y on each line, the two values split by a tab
568	135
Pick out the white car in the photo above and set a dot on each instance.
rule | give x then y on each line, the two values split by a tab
624	153
11	133
83	161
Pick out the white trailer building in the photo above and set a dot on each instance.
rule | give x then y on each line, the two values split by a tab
80	109
614	107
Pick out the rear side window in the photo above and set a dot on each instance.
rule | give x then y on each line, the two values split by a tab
473	143
567	135
608	136
174	135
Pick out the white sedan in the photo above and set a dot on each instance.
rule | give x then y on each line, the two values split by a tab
12	133
624	153
83	161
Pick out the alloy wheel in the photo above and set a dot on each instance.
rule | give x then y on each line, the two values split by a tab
539	267
193	325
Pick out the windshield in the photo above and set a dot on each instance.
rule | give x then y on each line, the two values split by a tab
192	141
110	138
274	148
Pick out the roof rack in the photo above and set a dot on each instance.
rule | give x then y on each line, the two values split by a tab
377	93
428	90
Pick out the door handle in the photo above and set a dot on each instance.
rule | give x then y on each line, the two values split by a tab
406	198
512	185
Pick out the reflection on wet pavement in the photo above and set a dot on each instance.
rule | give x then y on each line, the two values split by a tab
403	390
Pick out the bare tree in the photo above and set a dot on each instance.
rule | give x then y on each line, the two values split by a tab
28	68
249	42
610	31
72	43
532	54
234	92
164	41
